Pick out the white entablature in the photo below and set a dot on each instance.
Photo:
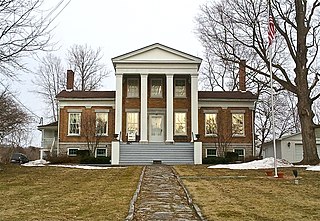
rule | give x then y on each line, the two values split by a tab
156	59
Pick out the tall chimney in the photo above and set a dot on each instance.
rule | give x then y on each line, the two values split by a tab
242	75
70	80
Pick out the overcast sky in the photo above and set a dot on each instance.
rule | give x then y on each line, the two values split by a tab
118	27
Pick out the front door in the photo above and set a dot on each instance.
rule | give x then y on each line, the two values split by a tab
156	128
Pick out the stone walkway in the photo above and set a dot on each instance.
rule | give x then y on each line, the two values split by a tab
162	197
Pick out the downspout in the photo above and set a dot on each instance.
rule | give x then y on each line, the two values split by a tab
253	129
58	137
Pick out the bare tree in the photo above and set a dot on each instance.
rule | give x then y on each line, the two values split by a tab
24	29
91	129
234	30
88	67
13	121
50	79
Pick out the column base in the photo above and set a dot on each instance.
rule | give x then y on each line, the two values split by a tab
144	141
169	141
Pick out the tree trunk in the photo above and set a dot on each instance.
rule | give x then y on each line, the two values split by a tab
310	155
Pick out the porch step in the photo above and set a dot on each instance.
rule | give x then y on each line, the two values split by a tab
146	154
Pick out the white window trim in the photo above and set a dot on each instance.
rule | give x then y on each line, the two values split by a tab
243	125
96	155
186	123
205	124
161	94
71	134
72	148
137	96
211	155
185	84
244	151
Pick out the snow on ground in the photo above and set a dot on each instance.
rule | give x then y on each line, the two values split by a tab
314	168
85	167
266	163
41	163
36	163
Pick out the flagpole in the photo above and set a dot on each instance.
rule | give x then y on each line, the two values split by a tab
272	117
272	103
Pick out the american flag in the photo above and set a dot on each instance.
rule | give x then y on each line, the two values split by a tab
271	30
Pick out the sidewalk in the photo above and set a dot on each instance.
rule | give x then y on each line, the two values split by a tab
161	197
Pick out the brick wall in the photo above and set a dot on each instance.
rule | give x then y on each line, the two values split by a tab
224	141
85	113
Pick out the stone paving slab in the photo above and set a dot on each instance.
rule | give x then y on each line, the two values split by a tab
161	197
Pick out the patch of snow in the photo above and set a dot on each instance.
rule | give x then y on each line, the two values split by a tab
36	163
266	163
85	167
41	163
314	168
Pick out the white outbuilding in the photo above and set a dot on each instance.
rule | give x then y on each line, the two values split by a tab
289	147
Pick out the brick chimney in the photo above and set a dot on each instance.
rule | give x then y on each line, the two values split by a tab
70	80
242	75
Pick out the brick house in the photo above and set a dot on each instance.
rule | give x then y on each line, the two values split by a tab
156	113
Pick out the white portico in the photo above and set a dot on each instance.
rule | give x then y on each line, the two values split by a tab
156	95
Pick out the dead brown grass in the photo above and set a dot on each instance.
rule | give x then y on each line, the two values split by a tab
51	193
224	194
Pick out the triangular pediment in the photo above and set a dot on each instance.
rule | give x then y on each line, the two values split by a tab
157	53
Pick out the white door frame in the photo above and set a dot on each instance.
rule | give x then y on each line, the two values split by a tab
159	134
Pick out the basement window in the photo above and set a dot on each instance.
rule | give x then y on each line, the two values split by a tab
73	152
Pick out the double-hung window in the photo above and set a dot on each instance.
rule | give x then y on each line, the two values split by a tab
74	124
101	124
238	124
211	124
180	123
133	122
132	87
180	88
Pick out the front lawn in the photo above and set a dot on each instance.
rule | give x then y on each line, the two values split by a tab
54	193
224	194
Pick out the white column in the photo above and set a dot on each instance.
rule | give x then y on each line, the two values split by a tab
194	104
118	114
197	157
170	121
144	109
115	153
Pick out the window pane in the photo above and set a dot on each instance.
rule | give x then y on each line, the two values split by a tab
156	88
240	153
211	124
180	124
74	123
180	88
237	124
102	123
211	152
101	152
133	122
72	152
133	88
